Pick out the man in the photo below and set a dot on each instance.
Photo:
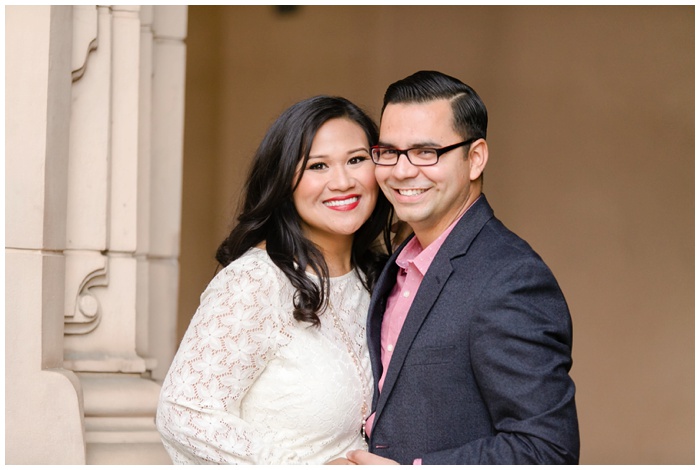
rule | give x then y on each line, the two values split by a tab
469	333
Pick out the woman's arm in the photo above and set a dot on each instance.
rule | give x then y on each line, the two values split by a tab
232	337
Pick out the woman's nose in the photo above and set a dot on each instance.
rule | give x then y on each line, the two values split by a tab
340	179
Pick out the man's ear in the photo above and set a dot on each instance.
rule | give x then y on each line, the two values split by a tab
478	157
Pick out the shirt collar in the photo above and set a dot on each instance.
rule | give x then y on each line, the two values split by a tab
421	258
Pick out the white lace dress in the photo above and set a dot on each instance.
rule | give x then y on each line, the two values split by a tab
250	384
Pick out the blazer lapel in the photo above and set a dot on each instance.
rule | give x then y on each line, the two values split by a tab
377	306
428	292
456	245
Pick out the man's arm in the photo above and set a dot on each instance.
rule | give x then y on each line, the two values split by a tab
520	348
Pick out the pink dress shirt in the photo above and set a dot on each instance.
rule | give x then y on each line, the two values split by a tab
413	262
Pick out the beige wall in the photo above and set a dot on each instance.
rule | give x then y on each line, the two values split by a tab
592	145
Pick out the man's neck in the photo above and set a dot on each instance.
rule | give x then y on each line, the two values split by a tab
429	234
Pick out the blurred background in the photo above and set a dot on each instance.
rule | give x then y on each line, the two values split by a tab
591	141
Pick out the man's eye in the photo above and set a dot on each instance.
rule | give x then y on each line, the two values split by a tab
389	152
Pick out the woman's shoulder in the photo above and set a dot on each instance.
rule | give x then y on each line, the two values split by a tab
255	259
254	269
250	286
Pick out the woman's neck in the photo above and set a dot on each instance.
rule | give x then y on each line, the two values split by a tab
338	265
337	252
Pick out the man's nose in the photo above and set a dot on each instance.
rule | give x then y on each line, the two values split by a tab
404	168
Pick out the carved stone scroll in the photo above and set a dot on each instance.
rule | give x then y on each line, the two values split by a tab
84	271
85	28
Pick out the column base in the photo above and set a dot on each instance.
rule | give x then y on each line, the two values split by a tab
120	414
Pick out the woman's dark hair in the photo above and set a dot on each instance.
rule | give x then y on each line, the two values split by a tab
268	213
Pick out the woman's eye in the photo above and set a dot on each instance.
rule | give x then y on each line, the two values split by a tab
358	159
317	166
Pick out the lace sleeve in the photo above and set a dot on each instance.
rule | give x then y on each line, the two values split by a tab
235	332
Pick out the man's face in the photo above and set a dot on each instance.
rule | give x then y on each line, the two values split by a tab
429	198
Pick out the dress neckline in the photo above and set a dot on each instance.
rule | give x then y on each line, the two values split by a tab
340	278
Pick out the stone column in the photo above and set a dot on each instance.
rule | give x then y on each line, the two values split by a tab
43	401
127	119
106	212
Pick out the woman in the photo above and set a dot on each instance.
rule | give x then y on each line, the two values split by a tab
274	367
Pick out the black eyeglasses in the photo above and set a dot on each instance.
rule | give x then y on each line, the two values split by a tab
419	156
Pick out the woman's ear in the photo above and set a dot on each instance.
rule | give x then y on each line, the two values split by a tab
478	157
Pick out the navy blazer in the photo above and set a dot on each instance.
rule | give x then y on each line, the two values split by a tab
480	371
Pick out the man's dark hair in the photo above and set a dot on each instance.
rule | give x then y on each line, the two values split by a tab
470	116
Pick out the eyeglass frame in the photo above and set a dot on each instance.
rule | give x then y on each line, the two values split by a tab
438	151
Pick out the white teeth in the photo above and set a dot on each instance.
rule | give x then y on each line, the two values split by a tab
411	192
344	202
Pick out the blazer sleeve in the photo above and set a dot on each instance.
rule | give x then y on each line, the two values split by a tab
520	347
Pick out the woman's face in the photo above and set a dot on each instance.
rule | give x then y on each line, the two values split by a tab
338	191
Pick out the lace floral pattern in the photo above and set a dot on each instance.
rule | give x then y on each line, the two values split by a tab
250	384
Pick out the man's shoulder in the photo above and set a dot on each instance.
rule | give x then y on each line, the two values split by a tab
496	236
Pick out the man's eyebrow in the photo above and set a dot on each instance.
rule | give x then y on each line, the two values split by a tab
429	144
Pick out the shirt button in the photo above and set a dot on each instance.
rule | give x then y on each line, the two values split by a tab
390	347
406	293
